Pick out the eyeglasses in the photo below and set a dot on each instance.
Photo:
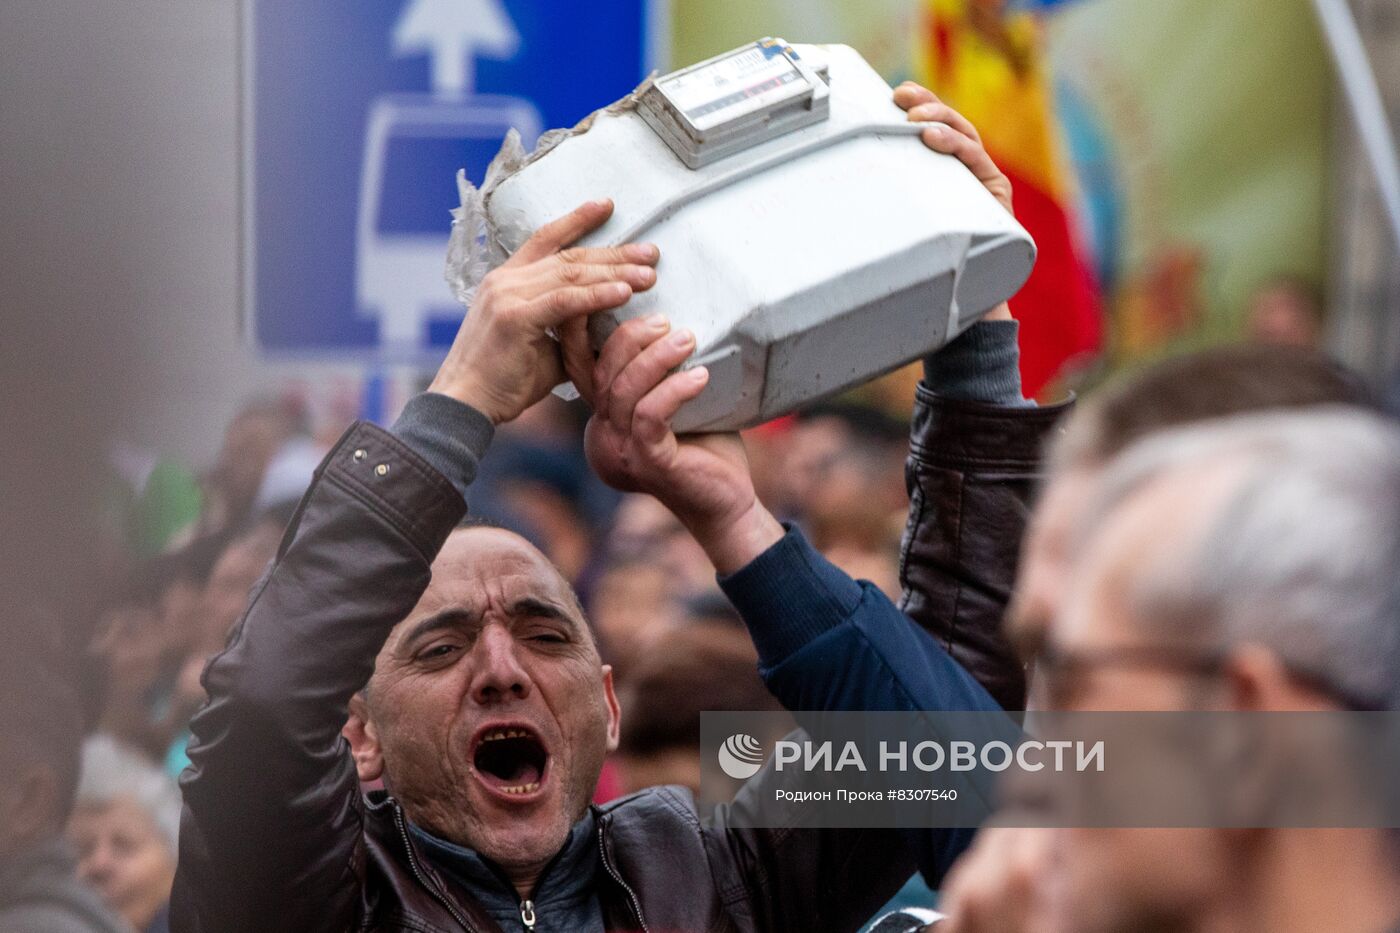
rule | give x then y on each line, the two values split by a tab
1063	671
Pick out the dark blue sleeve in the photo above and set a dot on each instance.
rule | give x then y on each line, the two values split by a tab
826	642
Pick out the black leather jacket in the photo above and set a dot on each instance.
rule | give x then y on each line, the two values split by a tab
971	471
277	836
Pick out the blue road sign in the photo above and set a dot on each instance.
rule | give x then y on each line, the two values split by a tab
356	117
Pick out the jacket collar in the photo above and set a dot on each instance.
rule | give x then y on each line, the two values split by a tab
655	875
568	884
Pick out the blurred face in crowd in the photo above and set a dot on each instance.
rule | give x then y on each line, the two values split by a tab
1113	880
122	853
813	446
232	579
880	567
632	604
849	490
131	639
489	712
860	505
1283	314
252	439
643	527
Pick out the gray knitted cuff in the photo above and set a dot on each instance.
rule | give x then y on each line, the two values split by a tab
450	435
982	364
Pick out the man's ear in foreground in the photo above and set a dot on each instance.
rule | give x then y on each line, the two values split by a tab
360	732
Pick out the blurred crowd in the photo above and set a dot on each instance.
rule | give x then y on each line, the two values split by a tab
190	545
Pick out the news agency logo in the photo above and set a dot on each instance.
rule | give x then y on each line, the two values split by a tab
741	756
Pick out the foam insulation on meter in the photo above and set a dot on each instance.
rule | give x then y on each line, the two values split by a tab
808	237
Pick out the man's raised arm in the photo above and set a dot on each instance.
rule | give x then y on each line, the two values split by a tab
974	459
825	642
272	833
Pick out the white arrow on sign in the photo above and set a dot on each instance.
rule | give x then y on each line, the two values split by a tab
452	33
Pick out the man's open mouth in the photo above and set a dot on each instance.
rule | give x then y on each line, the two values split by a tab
511	760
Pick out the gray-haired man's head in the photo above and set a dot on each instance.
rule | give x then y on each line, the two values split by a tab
1279	532
1200	387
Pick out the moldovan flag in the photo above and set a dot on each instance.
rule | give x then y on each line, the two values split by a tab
988	64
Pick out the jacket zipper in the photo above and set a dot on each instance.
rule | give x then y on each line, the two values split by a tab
612	873
527	913
413	864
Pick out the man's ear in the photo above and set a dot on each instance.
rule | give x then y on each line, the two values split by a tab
614	710
1259	681
360	732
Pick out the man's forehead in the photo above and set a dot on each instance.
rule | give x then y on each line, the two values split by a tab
478	564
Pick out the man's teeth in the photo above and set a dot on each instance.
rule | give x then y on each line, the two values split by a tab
505	734
523	788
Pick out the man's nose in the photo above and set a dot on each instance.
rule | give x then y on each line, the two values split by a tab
497	674
98	864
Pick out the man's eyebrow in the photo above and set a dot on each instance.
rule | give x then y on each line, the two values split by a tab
541	609
438	621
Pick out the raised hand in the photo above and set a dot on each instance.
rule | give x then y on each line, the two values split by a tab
704	478
503	359
956	137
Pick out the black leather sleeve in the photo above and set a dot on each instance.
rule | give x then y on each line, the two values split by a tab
971	471
270	837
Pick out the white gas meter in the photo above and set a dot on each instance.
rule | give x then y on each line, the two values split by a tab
808	237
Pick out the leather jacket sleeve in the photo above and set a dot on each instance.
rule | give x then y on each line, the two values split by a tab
271	834
971	471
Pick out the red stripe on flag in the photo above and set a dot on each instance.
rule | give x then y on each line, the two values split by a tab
1059	307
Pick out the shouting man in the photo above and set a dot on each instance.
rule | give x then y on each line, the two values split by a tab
458	662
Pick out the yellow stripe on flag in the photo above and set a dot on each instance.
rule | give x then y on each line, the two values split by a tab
988	65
